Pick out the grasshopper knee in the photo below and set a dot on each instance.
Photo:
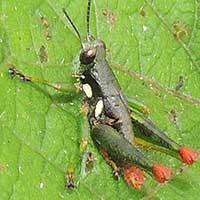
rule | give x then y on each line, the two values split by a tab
15	73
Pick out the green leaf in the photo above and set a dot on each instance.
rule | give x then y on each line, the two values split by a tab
41	129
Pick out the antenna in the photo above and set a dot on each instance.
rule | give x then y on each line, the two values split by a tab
88	18
73	25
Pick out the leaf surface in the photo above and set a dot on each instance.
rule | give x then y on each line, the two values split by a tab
41	129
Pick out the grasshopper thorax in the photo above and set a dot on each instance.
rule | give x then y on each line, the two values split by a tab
92	51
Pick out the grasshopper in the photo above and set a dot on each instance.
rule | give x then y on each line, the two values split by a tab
118	125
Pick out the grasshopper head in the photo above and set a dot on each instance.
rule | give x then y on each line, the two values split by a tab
91	51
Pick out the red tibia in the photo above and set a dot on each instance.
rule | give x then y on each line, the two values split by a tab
188	156
162	173
134	176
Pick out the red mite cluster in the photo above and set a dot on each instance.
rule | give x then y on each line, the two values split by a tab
136	177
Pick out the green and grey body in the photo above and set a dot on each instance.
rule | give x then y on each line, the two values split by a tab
120	150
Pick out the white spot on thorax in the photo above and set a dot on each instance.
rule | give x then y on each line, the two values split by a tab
99	108
88	90
82	77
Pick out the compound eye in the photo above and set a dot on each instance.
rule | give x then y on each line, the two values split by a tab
87	57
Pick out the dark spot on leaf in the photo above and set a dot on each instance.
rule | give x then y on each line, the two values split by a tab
142	12
3	168
48	35
46	25
110	16
173	116
43	54
180	83
180	29
90	161
44	22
